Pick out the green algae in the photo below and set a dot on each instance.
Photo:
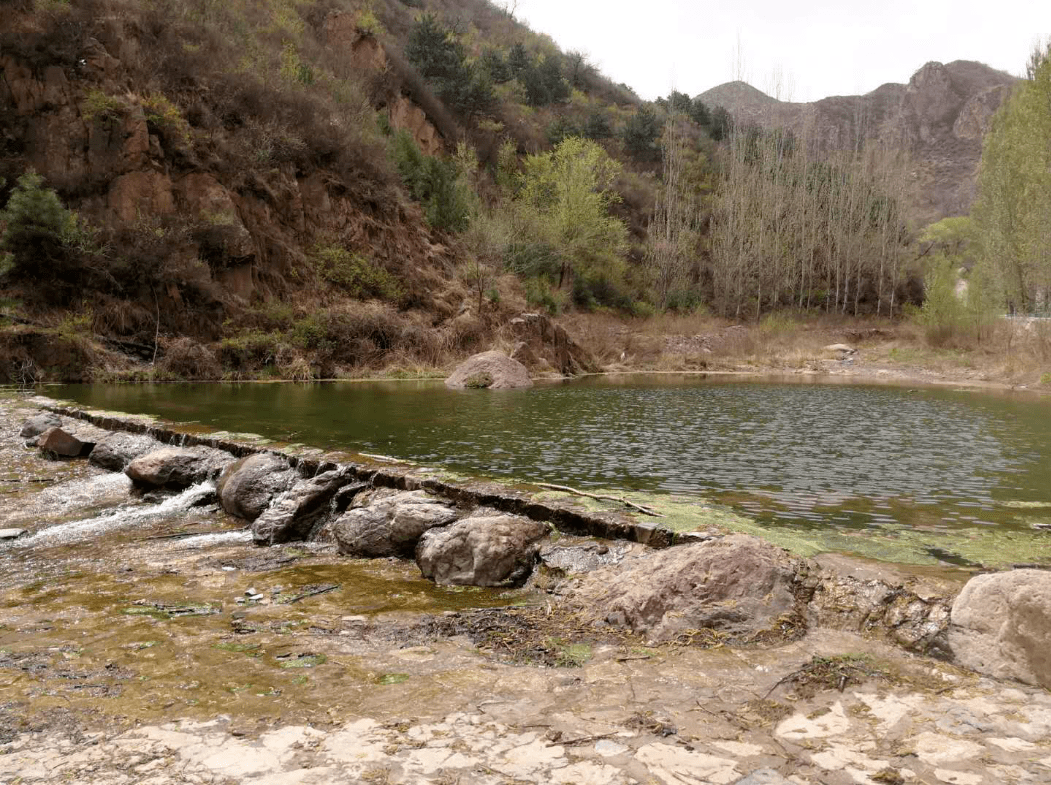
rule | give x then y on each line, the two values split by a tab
932	544
387	679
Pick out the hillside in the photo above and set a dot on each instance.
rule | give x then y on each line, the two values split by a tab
227	192
941	116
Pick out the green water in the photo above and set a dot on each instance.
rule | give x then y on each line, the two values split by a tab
802	454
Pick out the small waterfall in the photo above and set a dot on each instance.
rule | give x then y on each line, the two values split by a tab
86	528
55	500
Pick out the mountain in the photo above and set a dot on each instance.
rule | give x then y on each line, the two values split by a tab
940	116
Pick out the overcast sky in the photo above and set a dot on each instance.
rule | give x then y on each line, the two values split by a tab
821	47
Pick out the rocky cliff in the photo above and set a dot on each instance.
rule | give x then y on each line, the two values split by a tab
940	116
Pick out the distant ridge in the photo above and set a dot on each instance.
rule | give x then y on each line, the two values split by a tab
941	116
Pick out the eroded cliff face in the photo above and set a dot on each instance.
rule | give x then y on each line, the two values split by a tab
88	120
940	117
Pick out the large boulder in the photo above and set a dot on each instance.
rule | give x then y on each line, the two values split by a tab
177	467
118	449
739	586
496	551
39	423
246	487
541	343
491	370
296	512
1001	626
60	443
390	524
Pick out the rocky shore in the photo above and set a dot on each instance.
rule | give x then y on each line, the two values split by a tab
194	607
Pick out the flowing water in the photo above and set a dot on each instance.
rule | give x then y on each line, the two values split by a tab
808	454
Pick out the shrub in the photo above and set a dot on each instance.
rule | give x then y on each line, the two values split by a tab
942	314
355	274
164	117
184	358
106	110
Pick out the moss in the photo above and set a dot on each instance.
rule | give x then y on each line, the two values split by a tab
479	381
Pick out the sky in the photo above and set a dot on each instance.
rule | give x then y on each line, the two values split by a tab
817	47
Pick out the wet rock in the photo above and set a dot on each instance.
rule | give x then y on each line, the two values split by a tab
739	586
177	467
390	524
497	551
296	512
117	450
39	423
1001	626
492	370
246	487
11	534
55	441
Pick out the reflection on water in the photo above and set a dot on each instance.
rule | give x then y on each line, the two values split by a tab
856	455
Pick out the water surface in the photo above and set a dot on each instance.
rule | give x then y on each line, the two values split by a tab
801	453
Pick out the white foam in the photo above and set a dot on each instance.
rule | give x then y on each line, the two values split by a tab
75	531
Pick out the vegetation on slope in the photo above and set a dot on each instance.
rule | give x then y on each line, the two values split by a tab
308	188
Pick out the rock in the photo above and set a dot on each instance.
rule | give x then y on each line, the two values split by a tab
56	441
497	551
411	518
296	512
116	451
11	534
492	370
39	423
877	599
390	524
578	559
247	486
737	585
542	342
177	467
840	348
522	353
1001	626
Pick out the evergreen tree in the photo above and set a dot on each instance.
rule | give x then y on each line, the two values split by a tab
641	134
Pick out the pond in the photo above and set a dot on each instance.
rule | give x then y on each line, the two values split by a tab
801	453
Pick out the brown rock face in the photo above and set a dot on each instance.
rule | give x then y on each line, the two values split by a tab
544	343
941	115
737	585
492	370
496	551
1001	626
